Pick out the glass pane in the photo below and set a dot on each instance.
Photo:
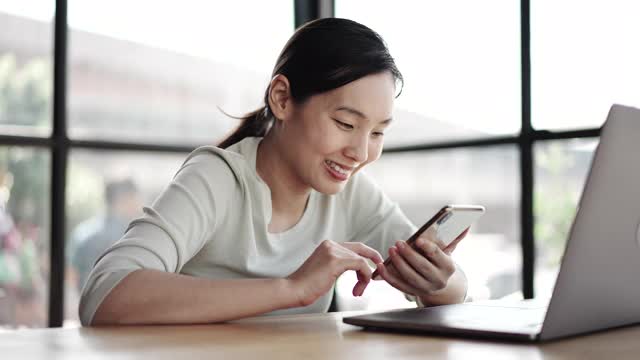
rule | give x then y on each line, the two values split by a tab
422	183
26	80
24	236
584	58
105	191
461	64
561	168
149	71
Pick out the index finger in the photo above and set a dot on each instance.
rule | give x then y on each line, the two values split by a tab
363	272
364	251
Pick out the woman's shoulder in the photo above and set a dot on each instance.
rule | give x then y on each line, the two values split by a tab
235	160
213	155
212	161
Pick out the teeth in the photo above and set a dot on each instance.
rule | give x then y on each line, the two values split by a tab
336	167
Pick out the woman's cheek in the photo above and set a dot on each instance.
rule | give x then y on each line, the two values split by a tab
374	152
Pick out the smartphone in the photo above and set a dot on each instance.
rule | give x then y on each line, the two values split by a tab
447	225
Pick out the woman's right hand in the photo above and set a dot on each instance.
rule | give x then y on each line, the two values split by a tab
328	261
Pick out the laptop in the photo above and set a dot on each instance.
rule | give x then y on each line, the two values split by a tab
598	286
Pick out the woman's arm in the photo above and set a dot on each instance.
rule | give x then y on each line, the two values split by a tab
175	228
157	297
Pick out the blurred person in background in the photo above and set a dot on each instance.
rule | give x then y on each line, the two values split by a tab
93	236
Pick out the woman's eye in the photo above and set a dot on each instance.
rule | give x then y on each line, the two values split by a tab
344	125
378	134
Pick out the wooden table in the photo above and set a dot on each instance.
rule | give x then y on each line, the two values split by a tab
318	336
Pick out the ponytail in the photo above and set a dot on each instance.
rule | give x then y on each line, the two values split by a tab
254	124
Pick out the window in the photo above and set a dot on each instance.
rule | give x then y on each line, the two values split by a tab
580	70
25	67
561	170
461	70
164	72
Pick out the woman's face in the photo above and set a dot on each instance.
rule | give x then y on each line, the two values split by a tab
333	135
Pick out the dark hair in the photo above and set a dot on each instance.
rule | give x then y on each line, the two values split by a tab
322	55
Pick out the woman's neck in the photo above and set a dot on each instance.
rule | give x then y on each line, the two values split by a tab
289	194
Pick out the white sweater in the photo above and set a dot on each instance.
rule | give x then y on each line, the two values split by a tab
211	221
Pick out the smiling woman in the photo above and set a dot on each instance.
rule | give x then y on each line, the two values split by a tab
268	220
326	134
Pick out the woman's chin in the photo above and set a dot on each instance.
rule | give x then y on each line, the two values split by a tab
330	189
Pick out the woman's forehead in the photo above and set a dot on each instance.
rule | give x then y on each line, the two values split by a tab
370	98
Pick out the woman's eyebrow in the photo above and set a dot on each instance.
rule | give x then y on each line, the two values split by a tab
360	114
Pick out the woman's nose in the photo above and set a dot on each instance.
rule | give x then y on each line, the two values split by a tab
358	150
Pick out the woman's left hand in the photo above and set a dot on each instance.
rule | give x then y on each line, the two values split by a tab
422	269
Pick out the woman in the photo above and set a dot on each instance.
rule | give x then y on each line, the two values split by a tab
267	221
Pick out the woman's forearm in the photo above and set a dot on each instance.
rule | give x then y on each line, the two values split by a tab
156	297
453	293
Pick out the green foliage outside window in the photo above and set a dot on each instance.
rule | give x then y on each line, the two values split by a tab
555	202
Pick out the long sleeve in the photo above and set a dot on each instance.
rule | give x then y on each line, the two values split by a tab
171	231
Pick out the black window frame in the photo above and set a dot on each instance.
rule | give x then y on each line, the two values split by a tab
60	145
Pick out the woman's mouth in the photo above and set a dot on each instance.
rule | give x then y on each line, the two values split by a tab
337	171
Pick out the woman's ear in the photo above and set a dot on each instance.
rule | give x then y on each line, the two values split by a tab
280	97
